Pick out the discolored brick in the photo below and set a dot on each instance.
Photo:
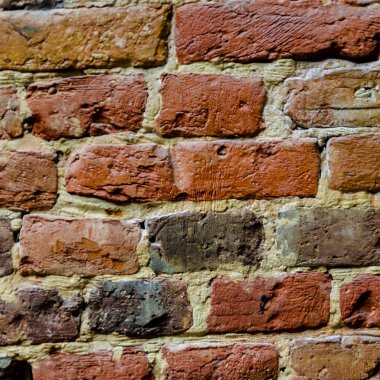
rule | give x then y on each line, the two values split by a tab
11	123
6	244
30	4
13	369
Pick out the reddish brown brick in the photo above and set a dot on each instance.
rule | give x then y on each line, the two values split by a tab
61	246
238	362
244	31
246	169
211	105
63	109
292	302
353	163
10	120
131	365
28	180
6	244
359	301
121	173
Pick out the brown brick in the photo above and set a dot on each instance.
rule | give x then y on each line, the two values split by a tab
330	237
28	180
121	173
11	5
10	120
244	31
359	301
292	302
210	105
62	246
63	109
208	170
238	362
6	244
344	98
332	358
353	163
131	365
81	38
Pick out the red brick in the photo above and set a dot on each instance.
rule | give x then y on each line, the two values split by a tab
359	301
28	180
246	169
10	120
238	362
353	163
292	302
244	31
210	105
62	246
121	173
63	109
132	365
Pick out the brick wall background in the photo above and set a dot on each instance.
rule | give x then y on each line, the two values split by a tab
189	190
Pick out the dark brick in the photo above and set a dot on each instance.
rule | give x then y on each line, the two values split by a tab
13	369
6	244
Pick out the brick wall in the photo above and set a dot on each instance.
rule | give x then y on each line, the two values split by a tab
189	190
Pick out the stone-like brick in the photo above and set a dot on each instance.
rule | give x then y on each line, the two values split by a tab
28	180
244	31
132	364
30	4
330	237
238	362
292	302
346	98
13	369
196	240
121	173
40	315
211	105
246	169
140	308
11	124
89	247
6	244
81	38
359	301
348	358
63	109
354	163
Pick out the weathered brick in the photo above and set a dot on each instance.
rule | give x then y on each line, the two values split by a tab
244	31
40	315
292	302
81	38
353	163
121	173
13	369
208	170
343	98
62	246
330	237
359	301
28	180
211	105
63	109
238	362
131	365
197	240
140	308
30	4
6	244
348	358
11	124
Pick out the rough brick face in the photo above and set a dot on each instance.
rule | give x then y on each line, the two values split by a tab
132	365
239	361
359	301
64	109
140	308
6	244
29	4
28	180
293	302
210	105
195	241
226	169
244	31
353	163
101	38
87	247
340	99
10	120
330	237
348	358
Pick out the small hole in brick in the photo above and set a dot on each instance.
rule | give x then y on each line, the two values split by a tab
222	150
